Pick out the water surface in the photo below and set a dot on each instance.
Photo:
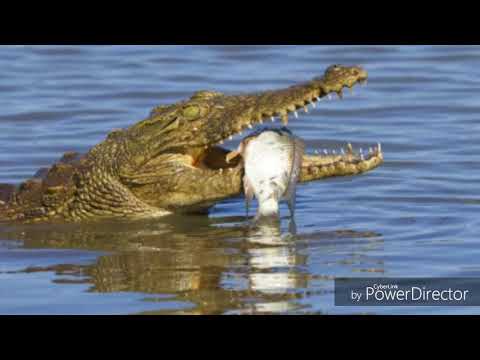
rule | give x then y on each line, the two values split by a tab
416	216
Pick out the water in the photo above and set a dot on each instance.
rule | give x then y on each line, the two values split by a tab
416	216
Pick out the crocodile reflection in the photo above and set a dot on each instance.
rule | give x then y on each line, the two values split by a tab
218	265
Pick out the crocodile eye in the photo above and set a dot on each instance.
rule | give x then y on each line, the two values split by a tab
191	112
334	68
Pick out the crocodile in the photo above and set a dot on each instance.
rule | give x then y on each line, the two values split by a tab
174	161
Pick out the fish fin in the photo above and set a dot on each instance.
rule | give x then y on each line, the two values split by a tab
290	193
292	227
248	189
298	152
292	201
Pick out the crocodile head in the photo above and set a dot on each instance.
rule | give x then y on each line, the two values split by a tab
208	118
178	162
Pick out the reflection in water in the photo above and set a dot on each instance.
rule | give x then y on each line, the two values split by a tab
215	264
274	266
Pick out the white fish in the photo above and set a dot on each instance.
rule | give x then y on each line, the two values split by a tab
272	160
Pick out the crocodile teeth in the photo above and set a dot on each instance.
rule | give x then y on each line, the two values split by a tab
230	137
296	114
319	98
370	150
379	147
306	108
362	157
334	152
250	126
273	118
342	151
313	105
325	152
329	97
316	151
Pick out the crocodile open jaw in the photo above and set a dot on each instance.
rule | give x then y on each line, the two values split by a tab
174	160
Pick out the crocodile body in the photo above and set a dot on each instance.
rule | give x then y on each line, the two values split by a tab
174	160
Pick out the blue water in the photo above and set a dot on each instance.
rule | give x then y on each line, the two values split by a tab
415	216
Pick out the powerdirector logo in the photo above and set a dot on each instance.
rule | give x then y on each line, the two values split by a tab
407	292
